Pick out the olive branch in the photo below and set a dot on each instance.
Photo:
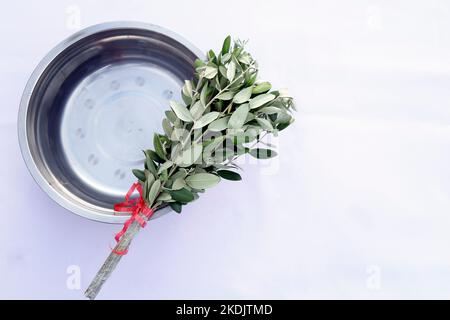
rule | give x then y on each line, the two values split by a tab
226	114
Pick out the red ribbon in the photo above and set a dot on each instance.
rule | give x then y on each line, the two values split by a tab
138	209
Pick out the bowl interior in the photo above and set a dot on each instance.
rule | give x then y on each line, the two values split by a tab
96	106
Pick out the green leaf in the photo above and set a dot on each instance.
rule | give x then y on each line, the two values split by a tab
245	58
158	146
150	178
167	127
182	195
270	110
206	119
187	88
217	84
189	156
164	196
180	173
282	126
226	45
166	165
154	190
251	79
262	87
226	57
181	111
145	189
187	100
238	117
229	175
211	56
231	70
265	124
260	100
170	115
210	72
197	110
178	184
243	95
139	174
174	152
261	153
226	96
154	156
179	134
204	94
250	117
219	124
223	71
198	63
176	206
164	176
202	180
236	62
149	164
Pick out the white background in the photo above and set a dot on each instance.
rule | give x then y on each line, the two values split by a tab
356	206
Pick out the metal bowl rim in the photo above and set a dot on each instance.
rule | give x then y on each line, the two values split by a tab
25	100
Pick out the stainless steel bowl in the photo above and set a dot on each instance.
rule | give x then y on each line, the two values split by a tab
92	105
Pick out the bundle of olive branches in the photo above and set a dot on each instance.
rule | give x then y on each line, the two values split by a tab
226	113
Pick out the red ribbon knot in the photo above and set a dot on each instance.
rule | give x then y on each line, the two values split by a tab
138	209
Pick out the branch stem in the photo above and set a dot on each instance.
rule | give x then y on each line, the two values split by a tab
111	262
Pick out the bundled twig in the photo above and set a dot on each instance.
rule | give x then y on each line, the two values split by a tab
225	114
